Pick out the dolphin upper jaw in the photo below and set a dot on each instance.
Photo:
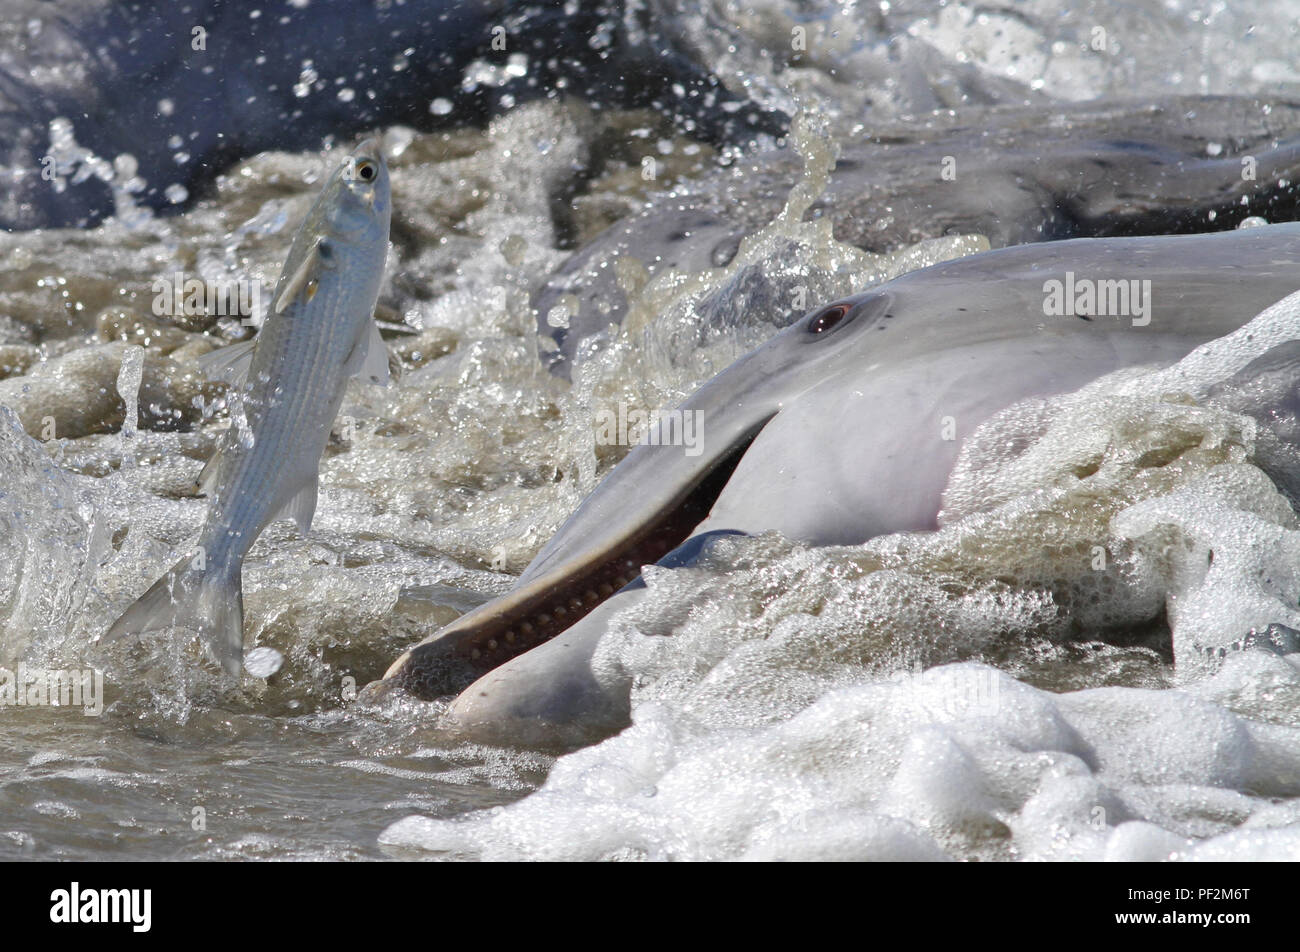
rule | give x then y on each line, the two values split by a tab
662	495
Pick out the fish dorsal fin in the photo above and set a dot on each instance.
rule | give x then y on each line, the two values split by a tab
230	363
302	506
370	359
303	281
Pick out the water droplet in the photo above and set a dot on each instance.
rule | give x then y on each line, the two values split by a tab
305	80
513	248
263	662
125	165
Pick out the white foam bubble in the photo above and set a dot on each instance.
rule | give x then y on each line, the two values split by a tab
903	771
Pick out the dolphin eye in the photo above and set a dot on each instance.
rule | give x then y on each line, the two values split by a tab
366	171
827	318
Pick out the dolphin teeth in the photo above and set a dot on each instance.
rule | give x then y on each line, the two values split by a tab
543	619
510	637
526	628
475	654
605	590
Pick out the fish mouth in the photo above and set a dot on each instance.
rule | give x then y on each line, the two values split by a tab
535	612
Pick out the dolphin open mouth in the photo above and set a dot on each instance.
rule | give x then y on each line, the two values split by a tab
537	611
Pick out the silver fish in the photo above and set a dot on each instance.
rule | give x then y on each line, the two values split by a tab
318	333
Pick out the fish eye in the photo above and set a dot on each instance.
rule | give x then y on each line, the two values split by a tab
366	171
827	318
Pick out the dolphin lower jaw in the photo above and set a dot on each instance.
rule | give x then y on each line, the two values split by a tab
488	637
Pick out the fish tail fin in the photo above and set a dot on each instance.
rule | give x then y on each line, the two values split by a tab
207	598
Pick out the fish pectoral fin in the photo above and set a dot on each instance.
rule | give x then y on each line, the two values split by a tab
230	363
304	279
302	507
210	475
370	359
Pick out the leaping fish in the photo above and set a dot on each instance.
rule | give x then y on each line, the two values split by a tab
319	332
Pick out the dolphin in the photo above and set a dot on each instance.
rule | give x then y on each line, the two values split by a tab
844	426
1029	174
187	89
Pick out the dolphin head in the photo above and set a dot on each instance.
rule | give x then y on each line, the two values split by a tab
843	426
651	503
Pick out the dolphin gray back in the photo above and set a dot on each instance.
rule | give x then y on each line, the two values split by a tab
1097	169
